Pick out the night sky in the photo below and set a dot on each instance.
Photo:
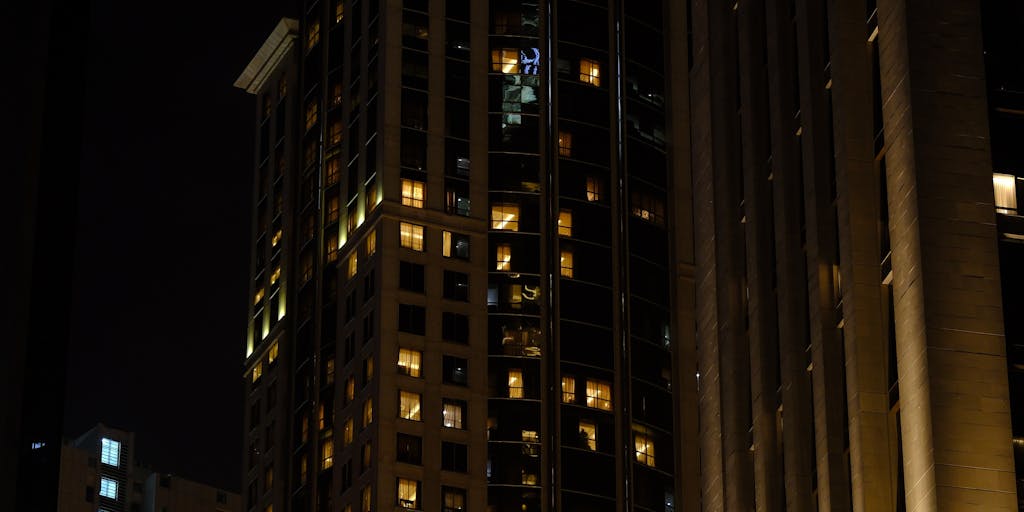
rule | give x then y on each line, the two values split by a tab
160	254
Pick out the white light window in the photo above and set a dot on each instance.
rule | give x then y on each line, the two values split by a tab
505	216
409	405
411	236
599	395
565	223
110	452
108	488
503	257
412	193
409	362
1005	186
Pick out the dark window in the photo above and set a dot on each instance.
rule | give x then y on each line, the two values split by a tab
454	245
369	283
409	449
412	319
455	327
410	276
350	347
455	370
453	499
453	457
346	476
368	328
89	493
456	285
350	307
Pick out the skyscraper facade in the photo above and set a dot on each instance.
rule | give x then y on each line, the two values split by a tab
602	255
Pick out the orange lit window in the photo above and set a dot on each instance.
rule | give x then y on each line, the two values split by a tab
313	34
588	434
599	395
505	60
408	494
595	189
329	371
590	72
350	389
334	136
564	144
503	257
643	445
332	172
336	93
258	297
566	263
333	209
515	384
327	453
565	223
568	389
412	193
367	412
371	242
276	239
367	499
505	216
312	114
257	372
353	265
331	247
272	354
339	11
409	405
347	432
275	275
411	236
409	362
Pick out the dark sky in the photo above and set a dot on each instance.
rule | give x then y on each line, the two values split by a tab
160	255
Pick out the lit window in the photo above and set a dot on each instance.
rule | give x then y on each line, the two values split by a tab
367	499
1005	186
454	245
409	405
336	94
408	494
108	488
334	134
329	370
327	453
565	223
275	275
599	395
276	239
643	444
505	60
368	370
367	412
371	242
568	390
268	477
333	209
312	113
110	452
313	34
515	384
257	372
504	257
454	500
566	263
505	216
530	436
409	362
564	144
321	418
590	72
528	478
258	297
411	236
339	11
350	389
412	193
595	190
353	265
451	413
588	435
331	247
347	431
272	353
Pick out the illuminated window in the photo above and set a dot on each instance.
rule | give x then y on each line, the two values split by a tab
452	412
257	372
334	134
275	275
367	412
504	257
272	353
313	34
258	297
327	453
568	390
371	243
350	389
588	435
566	263
643	444
505	216
408	494
336	94
331	247
505	60
110	452
329	370
1005	186
353	265
595	189
321	418
412	193
453	500
590	72
108	488
347	432
339	11
409	362
564	144
454	245
515	384
367	499
411	236
333	209
528	478
599	395
367	455
409	405
268	477
565	223
367	370
312	113
276	239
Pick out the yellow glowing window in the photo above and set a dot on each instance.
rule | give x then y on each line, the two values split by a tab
270	508
590	72
368	368
331	247
257	372
268	477
371	243
566	263
594	189
321	418
353	265
564	144
313	34
258	297
411	236
272	353
275	275
643	444
333	209
515	296
505	216
409	362
588	434
408	494
350	389
530	436
565	223
568	390
312	113
528	478
451	415
327	452
334	134
412	193
332	172
505	60
303	469
329	370
347	432
503	257
1005	186
276	239
367	499
515	384
339	11
367	412
409	405
599	395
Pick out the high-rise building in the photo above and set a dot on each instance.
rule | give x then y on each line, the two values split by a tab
627	255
